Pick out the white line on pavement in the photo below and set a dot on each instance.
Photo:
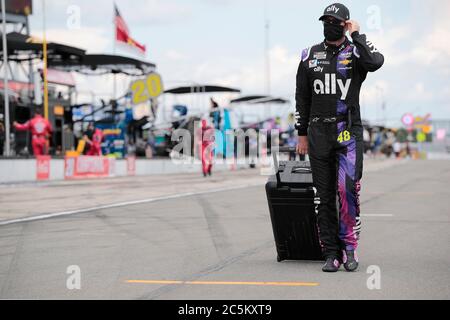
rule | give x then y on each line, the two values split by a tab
376	215
122	204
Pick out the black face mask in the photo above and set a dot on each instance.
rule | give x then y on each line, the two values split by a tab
333	32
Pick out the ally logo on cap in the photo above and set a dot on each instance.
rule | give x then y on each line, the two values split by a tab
333	8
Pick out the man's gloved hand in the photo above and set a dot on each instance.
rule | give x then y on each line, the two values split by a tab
302	145
352	26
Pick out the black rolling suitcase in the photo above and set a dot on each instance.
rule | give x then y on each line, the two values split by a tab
290	195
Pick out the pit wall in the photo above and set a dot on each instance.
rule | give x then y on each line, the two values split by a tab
26	170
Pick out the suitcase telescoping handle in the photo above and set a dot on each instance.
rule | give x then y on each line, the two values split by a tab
275	152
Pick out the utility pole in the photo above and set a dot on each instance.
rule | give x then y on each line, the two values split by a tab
379	105
5	79
114	53
267	54
44	50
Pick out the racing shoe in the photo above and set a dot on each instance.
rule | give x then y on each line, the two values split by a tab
350	260
331	265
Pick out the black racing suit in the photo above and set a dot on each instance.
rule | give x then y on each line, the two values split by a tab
329	80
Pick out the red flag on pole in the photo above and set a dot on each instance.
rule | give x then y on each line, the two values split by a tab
123	33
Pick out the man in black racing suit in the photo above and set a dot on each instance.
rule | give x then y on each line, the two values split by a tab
329	126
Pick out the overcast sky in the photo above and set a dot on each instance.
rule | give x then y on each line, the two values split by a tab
222	42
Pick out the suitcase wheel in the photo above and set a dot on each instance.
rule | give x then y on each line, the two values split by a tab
279	258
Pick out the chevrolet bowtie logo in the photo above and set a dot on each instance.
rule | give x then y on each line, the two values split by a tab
345	62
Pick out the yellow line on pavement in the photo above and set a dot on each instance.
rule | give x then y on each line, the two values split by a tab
239	283
155	281
246	283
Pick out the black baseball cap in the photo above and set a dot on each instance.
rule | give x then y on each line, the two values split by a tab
336	10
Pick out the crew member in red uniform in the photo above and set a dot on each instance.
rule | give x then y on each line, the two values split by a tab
95	144
41	130
207	139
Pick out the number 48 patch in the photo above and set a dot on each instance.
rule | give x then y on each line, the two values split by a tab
344	136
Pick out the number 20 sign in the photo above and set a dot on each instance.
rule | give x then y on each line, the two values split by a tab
146	89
